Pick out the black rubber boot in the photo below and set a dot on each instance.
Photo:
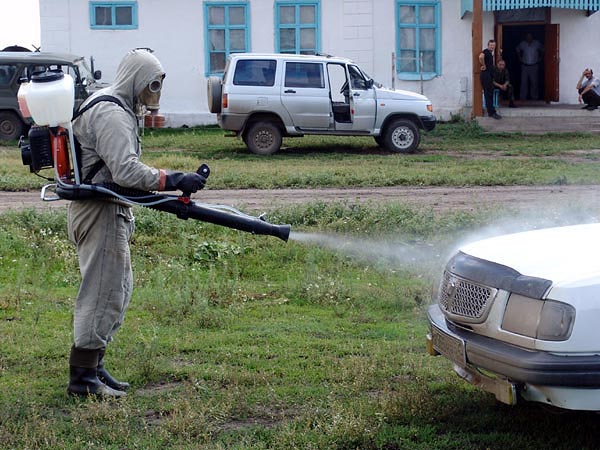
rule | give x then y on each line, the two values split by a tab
83	377
105	377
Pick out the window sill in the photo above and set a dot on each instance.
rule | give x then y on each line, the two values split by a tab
416	76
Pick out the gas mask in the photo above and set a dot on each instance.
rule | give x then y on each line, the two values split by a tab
150	96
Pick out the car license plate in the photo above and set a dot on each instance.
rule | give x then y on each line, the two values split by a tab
449	346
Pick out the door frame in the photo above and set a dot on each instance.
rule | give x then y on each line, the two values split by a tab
551	58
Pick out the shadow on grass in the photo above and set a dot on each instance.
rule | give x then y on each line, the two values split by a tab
456	417
329	149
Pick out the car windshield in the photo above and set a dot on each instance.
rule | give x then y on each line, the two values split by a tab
84	70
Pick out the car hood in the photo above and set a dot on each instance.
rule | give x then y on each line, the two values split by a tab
398	94
563	255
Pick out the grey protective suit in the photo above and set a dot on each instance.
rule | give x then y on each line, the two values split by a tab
101	230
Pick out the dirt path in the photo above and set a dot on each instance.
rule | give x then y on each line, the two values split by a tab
436	198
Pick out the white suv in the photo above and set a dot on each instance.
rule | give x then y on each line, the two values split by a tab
519	316
263	97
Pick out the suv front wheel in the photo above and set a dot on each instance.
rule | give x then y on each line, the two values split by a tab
402	135
263	138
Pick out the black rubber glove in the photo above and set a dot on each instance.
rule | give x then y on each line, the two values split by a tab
185	182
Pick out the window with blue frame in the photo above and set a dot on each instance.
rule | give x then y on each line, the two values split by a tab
297	26
418	39
113	15
226	27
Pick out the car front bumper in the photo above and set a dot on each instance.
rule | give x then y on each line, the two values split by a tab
516	363
505	369
428	122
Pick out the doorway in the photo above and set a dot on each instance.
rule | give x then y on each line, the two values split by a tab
512	36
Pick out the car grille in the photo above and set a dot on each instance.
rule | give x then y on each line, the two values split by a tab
465	300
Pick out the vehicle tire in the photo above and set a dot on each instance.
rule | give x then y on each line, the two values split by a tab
214	90
402	135
263	138
11	126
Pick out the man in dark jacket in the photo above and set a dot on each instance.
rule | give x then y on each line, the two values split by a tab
486	61
502	82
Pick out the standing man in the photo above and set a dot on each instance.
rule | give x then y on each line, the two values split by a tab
502	82
101	229
530	53
486	75
588	87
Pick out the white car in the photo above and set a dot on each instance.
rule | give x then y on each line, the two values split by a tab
263	97
519	316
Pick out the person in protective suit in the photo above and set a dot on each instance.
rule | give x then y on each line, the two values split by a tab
101	229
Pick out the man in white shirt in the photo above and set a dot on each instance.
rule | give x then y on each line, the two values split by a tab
588	87
530	53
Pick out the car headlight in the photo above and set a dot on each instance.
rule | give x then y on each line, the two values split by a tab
547	320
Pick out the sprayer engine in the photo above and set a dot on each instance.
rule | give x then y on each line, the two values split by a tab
47	148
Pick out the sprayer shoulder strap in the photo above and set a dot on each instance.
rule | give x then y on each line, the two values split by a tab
99	164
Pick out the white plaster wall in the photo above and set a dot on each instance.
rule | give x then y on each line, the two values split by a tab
363	30
579	38
175	31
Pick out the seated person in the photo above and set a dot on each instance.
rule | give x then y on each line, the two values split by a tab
502	82
589	90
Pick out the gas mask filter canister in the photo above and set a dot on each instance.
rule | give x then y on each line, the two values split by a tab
150	96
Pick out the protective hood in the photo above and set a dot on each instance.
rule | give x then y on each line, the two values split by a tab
137	69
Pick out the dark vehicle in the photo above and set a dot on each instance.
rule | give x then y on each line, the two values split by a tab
16	67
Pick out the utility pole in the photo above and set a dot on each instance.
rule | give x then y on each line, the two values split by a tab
476	47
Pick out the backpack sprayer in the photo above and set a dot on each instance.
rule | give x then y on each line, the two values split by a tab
49	100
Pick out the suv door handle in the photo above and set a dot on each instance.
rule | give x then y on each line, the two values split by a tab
289	91
356	94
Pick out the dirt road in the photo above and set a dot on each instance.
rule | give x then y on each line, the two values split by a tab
436	198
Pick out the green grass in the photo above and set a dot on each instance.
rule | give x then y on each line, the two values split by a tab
446	158
235	341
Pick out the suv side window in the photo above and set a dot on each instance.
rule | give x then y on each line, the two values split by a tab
6	74
357	80
304	75
255	72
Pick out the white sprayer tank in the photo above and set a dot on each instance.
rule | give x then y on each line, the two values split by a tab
50	98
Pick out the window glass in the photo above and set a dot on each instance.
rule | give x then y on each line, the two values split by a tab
418	38
227	32
407	14
408	61
6	74
304	75
427	39
216	15
307	38
103	16
217	60
255	72
237	40
237	15
357	80
287	15
307	14
297	27
288	40
408	37
217	40
427	14
113	15
123	15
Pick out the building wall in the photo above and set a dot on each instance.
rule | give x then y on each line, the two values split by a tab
579	36
363	30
